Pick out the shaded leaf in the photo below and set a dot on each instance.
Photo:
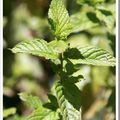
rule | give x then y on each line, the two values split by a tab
41	112
70	69
17	117
32	101
91	56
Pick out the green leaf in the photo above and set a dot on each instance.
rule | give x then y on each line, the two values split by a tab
59	19
107	7
69	107
90	55
4	21
90	2
59	46
106	18
37	48
41	112
32	101
52	102
17	117
9	111
44	114
83	21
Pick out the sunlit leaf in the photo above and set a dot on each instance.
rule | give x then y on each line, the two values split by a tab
36	47
58	45
106	18
9	111
91	56
90	2
44	114
83	21
59	19
17	117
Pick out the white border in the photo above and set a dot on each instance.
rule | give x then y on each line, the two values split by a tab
117	60
1	59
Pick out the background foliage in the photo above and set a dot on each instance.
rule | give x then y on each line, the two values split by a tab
94	24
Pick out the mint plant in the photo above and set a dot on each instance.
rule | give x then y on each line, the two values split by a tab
64	101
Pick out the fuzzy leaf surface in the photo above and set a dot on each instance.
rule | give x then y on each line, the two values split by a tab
69	107
90	56
37	48
59	19
9	111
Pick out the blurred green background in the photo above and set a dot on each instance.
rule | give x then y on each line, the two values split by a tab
26	20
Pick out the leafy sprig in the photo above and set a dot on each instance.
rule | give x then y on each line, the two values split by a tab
65	102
